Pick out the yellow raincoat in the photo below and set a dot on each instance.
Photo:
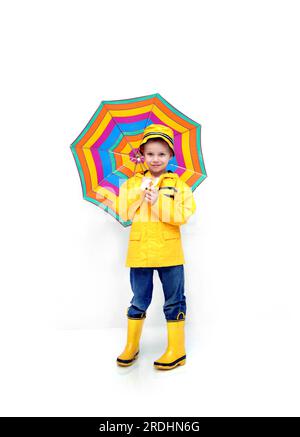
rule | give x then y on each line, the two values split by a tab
155	238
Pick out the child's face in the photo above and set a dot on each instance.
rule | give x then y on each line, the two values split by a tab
157	156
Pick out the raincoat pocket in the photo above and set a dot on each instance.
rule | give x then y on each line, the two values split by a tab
170	235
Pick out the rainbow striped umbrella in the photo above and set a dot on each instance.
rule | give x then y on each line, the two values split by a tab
106	151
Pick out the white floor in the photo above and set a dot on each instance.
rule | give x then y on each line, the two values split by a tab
250	369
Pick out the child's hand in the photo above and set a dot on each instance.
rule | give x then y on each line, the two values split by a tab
142	195
151	195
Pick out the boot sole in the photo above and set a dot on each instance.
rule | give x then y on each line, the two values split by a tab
126	363
169	366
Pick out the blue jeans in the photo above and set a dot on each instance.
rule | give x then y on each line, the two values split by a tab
172	279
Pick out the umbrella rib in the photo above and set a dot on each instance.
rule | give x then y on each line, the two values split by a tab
113	172
186	169
144	168
150	112
120	129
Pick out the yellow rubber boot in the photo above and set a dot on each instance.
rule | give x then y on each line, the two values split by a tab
130	353
175	352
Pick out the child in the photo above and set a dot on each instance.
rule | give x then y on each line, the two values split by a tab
158	202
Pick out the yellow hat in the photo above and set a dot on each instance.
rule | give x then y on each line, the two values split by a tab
159	131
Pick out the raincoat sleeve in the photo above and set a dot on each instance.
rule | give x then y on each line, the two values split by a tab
129	199
177	210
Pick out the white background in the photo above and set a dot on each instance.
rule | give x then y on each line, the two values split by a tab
232	66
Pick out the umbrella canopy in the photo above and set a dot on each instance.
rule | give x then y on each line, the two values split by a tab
106	152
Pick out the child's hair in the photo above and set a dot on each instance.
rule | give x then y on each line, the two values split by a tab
160	140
